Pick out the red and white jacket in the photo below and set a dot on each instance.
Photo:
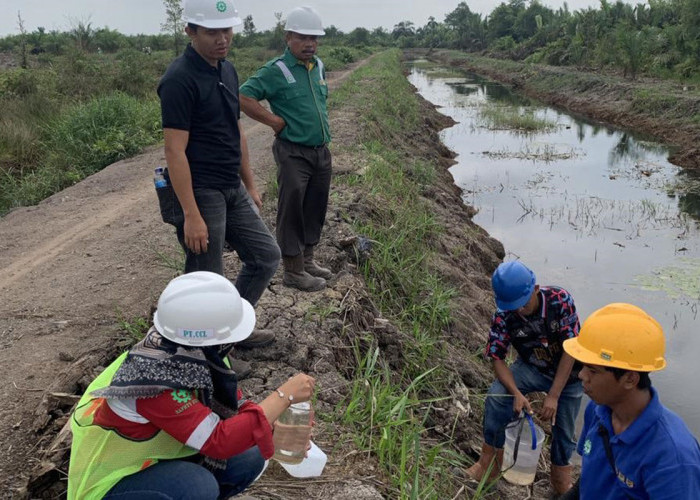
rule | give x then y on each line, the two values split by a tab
184	417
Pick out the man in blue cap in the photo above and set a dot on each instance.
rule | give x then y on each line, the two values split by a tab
535	321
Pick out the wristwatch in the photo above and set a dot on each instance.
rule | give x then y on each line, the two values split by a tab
281	394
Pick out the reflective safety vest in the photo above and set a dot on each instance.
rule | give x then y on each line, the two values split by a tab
101	457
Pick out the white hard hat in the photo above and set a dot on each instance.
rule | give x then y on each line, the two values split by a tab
201	309
211	13
305	21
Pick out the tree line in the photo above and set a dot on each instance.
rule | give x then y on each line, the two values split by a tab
660	38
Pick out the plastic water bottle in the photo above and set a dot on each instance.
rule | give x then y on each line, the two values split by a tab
292	433
159	178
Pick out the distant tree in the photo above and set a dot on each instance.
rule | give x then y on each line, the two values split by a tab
36	38
467	26
277	39
358	36
22	41
632	47
174	23
690	21
502	19
82	33
435	34
332	32
403	29
380	36
249	26
109	40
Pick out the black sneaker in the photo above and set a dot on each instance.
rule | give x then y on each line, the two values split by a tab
259	338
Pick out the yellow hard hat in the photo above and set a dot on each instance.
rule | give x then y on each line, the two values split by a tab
620	335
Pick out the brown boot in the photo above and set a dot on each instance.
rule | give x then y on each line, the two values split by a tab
560	477
311	267
489	455
296	277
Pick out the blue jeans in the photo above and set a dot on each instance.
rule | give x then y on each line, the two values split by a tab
499	410
232	217
183	480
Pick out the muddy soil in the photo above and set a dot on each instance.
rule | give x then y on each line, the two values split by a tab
607	98
97	254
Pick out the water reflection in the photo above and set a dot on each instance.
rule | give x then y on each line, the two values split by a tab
597	210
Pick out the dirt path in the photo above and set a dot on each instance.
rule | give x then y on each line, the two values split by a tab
86	258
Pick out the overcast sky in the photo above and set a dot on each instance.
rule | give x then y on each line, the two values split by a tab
145	16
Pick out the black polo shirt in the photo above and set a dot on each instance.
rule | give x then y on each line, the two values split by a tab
203	100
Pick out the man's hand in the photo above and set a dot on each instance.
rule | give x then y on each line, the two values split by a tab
278	124
196	234
521	403
255	196
548	412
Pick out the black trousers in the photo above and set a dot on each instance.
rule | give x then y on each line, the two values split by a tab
304	181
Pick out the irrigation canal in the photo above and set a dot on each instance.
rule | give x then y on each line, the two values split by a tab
596	210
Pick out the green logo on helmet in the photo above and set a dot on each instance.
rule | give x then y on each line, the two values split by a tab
221	6
181	396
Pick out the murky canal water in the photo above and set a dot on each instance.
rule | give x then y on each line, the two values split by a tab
596	210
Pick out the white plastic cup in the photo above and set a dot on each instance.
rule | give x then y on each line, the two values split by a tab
523	471
311	466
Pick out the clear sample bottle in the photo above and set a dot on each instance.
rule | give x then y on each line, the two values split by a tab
292	433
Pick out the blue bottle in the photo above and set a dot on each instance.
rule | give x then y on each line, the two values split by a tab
159	178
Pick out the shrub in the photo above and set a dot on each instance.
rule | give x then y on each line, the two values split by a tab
342	54
133	73
18	82
102	131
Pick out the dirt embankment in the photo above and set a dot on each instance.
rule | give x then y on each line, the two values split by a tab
97	253
665	109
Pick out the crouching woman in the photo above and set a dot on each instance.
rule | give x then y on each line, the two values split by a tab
166	419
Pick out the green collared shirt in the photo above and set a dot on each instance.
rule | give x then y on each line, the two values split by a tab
299	97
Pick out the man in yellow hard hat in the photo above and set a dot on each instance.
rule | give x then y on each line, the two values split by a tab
632	446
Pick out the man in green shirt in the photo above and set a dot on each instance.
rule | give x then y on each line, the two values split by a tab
294	84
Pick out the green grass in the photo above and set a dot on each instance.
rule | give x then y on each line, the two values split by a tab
510	118
388	410
652	102
82	140
76	113
390	421
134	329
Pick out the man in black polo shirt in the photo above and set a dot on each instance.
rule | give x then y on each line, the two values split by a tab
207	157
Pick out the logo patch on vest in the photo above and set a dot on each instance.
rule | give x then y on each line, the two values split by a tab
181	396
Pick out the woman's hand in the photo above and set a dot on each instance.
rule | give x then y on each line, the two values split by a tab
300	387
